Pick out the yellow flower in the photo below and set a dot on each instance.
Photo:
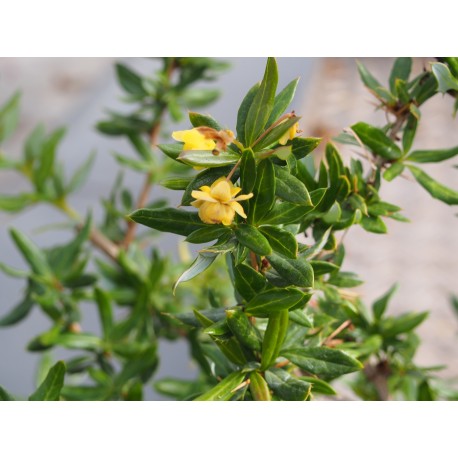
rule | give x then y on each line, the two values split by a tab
217	203
193	140
289	134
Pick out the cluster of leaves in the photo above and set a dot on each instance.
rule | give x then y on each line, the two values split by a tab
282	322
131	289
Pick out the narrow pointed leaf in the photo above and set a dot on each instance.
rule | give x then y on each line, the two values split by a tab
282	101
50	389
286	386
280	240
225	389
437	155
298	272
274	300
253	239
201	263
243	113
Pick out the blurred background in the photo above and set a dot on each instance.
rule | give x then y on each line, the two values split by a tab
75	92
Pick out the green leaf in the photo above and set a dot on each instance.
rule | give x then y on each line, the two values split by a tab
286	386
173	150
81	174
247	171
316	248
176	183
371	83
105	311
445	80
319	386
380	305
322	361
437	155
201	263
289	188
393	171
401	324
400	71
34	143
242	328
298	316
168	220
49	390
200	97
274	337
377	141
47	158
252	238
34	257
248	282
225	389
298	272
16	203
190	319
282	101
80	341
4	395
323	267
208	159
425	392
301	147
243	112
285	213
263	103
18	313
437	190
199	120
9	117
274	300
258	387
275	134
207	234
264	191
130	81
373	224
280	240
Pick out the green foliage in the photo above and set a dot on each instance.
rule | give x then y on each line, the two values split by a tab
266	316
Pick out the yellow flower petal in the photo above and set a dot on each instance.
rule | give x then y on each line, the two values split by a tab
222	191
238	208
244	197
203	196
289	134
193	140
197	203
235	190
178	135
205	189
216	213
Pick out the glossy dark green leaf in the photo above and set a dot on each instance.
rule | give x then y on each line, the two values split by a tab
34	257
262	104
243	112
274	337
290	189
377	141
400	71
258	387
248	282
300	317
319	386
168	220
286	386
207	159
225	389
198	120
274	300
242	328
280	240
264	191
445	80
322	361
275	134
50	389
9	117
173	150
282	101
207	234
380	305
298	272
401	324
436	189
200	264
285	213
130	81
301	147
437	155
393	171
248	171
252	238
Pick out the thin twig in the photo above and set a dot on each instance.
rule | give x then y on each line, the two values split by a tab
337	331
